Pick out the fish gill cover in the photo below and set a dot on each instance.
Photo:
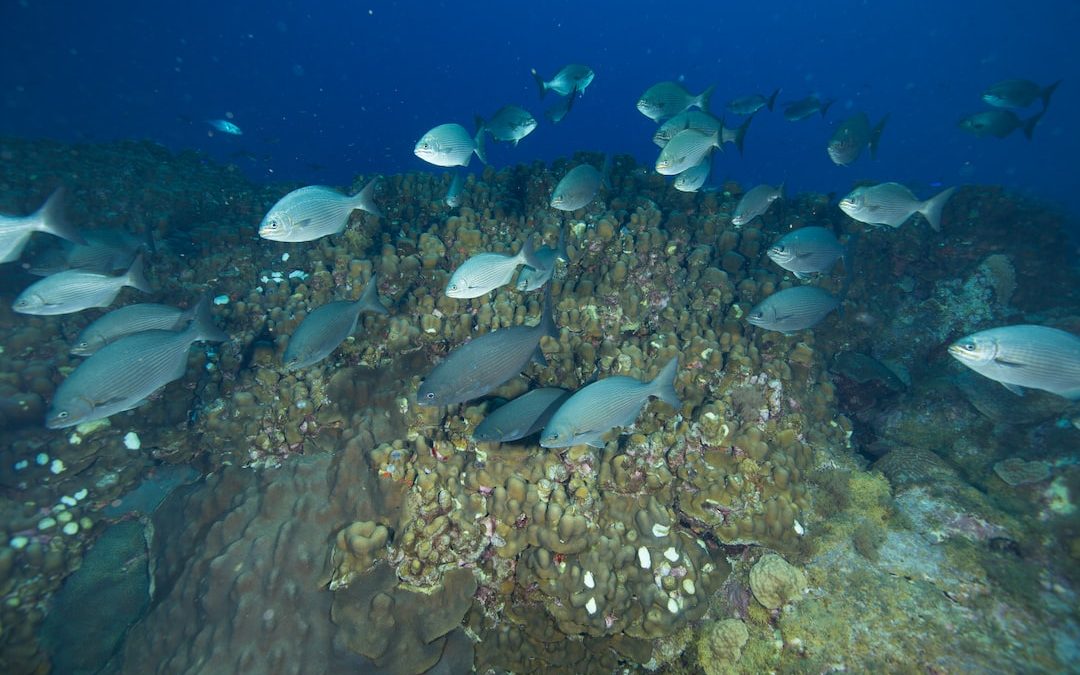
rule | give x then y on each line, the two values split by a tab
880	477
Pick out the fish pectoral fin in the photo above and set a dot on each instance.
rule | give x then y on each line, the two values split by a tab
1007	364
801	276
538	358
1013	388
303	222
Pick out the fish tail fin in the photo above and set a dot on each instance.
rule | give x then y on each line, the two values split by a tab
932	208
570	100
826	106
527	255
365	199
772	100
740	132
1048	92
875	136
50	218
369	299
663	385
202	327
479	149
136	277
560	247
540	82
1030	124
705	97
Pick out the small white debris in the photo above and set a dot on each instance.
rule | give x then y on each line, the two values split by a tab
57	467
284	257
590	606
688	585
71	528
68	501
131	441
46	523
659	530
644	559
21	464
42	459
673	605
298	274
221	300
81	494
799	530
589	581
18	543
671	554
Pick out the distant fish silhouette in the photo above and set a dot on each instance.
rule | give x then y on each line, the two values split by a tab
225	127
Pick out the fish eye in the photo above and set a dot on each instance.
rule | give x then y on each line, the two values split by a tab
968	346
272	224
63	414
430	396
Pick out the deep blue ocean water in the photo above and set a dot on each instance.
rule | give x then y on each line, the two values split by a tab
324	91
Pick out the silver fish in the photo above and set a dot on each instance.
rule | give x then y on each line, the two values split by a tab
668	99
325	328
313	212
486	362
572	78
485	272
127	320
793	309
450	145
104	252
225	127
122	375
509	123
1000	123
1018	94
854	134
453	193
755	202
892	204
597	408
748	105
15	231
807	251
524	416
687	119
693	178
577	188
75	290
531	278
1037	357
686	149
803	108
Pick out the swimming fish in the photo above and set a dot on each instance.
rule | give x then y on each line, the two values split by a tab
667	99
450	145
104	252
793	309
687	119
693	178
122	375
597	408
577	188
892	204
1018	94
509	123
854	134
312	212
807	250
129	319
531	278
755	202
75	290
225	127
15	231
748	105
557	112
1038	357
572	78
999	123
521	417
686	149
485	272
325	328
803	108
486	362
453	193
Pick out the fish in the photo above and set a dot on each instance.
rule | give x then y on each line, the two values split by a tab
521	417
531	278
450	145
325	328
597	408
103	251
748	105
1018	94
854	134
129	319
793	309
667	99
892	204
1000	123
687	119
686	149
509	123
225	127
486	362
573	78
75	290
312	212
124	374
15	231
808	250
557	112
694	178
454	192
1024	355
485	272
803	108
755	202
578	187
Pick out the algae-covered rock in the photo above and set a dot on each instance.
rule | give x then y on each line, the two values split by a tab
720	645
775	582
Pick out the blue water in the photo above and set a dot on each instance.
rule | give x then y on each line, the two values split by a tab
325	91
